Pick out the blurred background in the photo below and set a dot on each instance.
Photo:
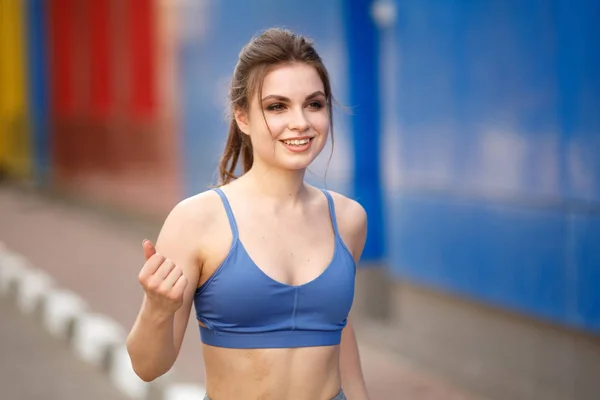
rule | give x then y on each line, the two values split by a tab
471	135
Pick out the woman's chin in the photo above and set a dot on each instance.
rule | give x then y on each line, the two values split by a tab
297	164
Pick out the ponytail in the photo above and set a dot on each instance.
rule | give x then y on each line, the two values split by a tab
237	143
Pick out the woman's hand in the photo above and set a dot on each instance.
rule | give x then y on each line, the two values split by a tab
163	282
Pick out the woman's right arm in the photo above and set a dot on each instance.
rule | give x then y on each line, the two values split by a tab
169	278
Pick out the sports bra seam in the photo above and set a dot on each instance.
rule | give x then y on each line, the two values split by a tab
348	252
206	322
219	269
276	333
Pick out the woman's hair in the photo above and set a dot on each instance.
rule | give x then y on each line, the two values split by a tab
271	48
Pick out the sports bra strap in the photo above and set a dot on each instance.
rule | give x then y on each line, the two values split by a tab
232	223
331	211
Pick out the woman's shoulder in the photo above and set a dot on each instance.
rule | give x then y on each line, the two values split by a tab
352	222
199	210
188	226
348	209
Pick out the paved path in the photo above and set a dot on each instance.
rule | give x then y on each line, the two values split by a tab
35	366
99	258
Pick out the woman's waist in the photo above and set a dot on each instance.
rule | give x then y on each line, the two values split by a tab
290	396
295	373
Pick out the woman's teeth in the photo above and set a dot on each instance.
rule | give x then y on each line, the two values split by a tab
296	142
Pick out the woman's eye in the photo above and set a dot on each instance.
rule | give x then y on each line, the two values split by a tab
275	107
317	105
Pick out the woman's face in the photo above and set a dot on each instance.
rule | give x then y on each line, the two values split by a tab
289	125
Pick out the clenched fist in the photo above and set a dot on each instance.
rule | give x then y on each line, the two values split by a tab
163	281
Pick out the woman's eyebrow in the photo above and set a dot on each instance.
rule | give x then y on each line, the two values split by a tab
283	98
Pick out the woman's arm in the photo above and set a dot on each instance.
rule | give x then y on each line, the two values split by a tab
156	336
352	222
353	381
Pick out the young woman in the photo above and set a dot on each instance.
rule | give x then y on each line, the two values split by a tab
267	260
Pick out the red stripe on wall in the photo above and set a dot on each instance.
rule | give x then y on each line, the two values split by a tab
142	101
100	57
61	50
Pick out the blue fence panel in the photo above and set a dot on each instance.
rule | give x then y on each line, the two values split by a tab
492	167
583	273
578	75
498	254
37	86
477	97
578	71
363	81
213	35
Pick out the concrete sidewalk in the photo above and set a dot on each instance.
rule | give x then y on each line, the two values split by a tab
99	257
37	366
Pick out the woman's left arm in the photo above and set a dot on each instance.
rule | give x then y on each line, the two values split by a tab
353	382
353	228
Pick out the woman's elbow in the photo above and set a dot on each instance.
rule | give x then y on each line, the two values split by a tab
146	376
145	370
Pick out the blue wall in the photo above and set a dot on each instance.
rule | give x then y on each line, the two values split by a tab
493	153
362	46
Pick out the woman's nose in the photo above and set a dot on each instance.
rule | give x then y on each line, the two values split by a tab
298	121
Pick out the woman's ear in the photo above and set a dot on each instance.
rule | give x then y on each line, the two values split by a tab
241	118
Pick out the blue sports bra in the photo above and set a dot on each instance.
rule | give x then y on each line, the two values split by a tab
242	307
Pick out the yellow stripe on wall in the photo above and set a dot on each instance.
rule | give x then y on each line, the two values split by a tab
15	148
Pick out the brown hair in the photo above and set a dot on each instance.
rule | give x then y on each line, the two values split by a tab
271	48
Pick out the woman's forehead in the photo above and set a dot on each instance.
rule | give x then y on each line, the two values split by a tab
294	81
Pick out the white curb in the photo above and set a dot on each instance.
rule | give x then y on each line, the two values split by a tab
61	307
4	255
184	392
93	334
3	252
32	285
124	377
95	337
12	267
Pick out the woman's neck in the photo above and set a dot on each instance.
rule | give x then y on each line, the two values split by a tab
282	186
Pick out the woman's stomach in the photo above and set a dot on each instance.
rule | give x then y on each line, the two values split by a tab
307	373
